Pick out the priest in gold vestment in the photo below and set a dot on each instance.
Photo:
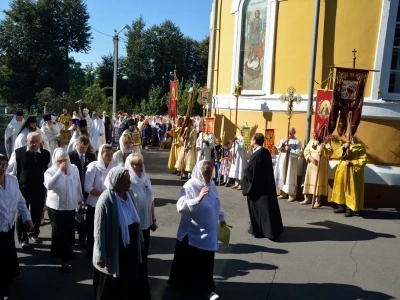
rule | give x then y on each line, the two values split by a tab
187	155
349	197
315	154
175	145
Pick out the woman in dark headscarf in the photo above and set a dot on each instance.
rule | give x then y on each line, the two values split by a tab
118	240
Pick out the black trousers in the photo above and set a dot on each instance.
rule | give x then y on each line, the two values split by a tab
9	266
35	204
90	230
144	293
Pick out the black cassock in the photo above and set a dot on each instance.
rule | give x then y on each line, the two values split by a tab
259	187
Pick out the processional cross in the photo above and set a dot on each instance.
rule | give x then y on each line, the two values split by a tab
290	98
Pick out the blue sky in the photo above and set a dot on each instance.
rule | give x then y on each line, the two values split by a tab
192	16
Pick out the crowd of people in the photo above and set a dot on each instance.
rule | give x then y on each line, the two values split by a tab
96	185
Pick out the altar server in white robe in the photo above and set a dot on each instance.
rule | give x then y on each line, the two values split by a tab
52	132
12	131
27	127
97	132
204	153
291	146
239	162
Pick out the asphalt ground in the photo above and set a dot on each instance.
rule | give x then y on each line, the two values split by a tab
321	255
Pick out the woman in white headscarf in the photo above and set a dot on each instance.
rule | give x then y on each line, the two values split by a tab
125	148
118	240
64	193
200	208
95	176
144	201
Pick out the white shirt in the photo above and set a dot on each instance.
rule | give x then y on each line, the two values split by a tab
63	191
12	164
143	201
130	215
11	200
199	220
94	179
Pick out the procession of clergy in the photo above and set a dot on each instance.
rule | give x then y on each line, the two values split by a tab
230	161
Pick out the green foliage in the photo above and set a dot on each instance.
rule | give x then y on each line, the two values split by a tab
36	38
155	105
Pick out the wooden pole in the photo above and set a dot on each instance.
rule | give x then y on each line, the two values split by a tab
287	153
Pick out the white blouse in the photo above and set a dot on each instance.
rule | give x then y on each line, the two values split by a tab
94	179
143	201
199	220
63	191
11	200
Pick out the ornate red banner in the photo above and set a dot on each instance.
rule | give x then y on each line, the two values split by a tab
269	141
209	125
348	100
173	99
323	107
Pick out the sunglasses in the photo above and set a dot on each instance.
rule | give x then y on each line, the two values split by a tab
3	164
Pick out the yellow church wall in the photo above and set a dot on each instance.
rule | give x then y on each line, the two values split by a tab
371	132
343	26
224	48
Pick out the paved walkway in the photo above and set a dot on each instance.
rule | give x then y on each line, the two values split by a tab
320	256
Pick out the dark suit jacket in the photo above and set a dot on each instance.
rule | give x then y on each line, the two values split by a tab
75	160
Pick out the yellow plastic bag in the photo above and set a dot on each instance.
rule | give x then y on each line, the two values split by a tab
224	234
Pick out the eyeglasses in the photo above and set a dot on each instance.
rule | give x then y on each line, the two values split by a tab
3	164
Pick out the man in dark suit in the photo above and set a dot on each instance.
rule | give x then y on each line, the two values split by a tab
81	158
259	187
29	164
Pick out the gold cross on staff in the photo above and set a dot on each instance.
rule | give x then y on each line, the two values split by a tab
354	57
290	98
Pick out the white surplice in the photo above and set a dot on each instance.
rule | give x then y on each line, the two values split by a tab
10	134
240	162
206	148
21	140
290	186
52	133
97	134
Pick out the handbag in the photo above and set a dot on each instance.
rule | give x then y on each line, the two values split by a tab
224	234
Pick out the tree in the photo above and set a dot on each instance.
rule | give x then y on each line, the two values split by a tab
105	73
35	40
76	79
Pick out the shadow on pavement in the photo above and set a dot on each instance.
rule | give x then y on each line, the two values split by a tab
278	291
392	214
333	232
169	182
248	248
158	202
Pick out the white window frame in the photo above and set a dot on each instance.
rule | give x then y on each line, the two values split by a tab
384	51
237	7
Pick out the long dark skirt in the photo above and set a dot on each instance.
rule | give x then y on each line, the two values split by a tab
62	233
9	267
126	286
143	269
192	270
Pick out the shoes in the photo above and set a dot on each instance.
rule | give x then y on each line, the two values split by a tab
239	188
317	205
339	210
184	177
25	246
282	196
34	239
349	213
291	199
234	187
176	172
305	202
213	296
222	183
66	268
226	184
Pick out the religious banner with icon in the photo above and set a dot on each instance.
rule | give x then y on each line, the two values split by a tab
269	141
348	98
136	139
173	99
246	136
323	107
209	124
65	137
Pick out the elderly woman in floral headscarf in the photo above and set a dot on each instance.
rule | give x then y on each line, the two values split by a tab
64	192
200	208
118	240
